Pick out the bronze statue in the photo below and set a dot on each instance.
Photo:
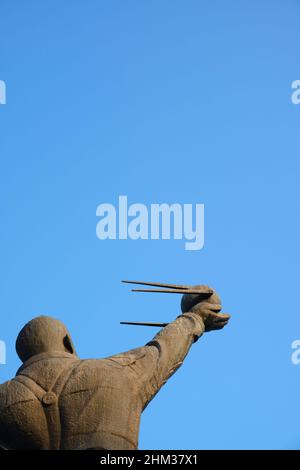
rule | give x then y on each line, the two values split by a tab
57	401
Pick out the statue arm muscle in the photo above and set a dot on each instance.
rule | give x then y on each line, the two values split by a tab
168	350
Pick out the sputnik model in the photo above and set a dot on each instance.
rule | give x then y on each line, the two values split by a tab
198	293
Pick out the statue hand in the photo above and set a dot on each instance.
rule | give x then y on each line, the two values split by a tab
209	312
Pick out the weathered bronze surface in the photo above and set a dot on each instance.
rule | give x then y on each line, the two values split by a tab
57	401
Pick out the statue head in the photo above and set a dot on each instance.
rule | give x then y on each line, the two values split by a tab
41	335
189	301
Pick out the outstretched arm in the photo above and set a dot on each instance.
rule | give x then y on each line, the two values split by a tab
150	366
170	346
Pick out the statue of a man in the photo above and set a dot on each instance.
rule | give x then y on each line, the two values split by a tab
57	401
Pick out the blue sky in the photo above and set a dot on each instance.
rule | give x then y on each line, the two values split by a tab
162	101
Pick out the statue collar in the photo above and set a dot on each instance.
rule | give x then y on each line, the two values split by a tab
46	355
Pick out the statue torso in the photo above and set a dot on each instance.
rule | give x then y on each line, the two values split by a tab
61	402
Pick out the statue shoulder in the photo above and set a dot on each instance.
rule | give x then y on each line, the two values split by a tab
7	392
3	389
13	392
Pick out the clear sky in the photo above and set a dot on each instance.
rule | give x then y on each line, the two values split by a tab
162	101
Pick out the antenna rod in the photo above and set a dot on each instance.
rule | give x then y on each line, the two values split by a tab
157	284
176	291
159	325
